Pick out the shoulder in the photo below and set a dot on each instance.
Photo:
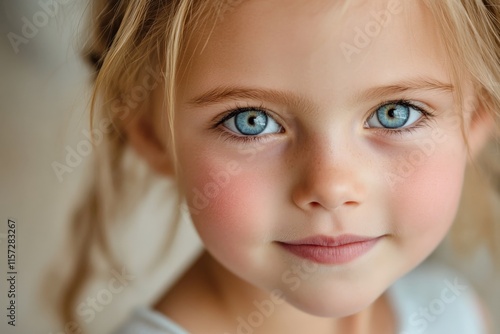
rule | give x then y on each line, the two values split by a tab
144	320
435	299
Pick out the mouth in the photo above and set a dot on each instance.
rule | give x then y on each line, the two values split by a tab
327	250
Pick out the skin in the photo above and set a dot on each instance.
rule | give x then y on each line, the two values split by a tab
325	173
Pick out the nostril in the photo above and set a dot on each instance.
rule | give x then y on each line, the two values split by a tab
348	203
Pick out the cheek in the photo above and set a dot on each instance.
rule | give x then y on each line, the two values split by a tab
230	205
425	203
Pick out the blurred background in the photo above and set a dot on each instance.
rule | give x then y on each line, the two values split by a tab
44	88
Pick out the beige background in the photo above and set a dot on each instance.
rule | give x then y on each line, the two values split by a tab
42	110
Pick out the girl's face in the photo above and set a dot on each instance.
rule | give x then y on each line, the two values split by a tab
296	121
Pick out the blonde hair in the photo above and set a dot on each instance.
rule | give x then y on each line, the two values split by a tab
129	36
472	30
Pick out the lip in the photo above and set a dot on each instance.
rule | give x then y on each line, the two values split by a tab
331	250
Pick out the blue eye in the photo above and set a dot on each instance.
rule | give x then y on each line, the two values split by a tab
395	115
250	122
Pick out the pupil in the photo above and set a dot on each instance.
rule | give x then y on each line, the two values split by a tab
391	113
252	120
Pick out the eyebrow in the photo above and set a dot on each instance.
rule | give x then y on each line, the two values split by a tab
425	84
225	93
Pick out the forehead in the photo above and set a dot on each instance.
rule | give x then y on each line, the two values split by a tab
315	47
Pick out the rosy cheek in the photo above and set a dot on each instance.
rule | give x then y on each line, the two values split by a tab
426	201
227	202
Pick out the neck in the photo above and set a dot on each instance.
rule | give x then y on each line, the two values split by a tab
238	304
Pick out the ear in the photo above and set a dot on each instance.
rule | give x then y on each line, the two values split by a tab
480	129
143	138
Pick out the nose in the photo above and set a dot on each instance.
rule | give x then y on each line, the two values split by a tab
330	178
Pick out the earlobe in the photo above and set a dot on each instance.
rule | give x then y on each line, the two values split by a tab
142	137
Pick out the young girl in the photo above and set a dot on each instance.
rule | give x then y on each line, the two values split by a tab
318	146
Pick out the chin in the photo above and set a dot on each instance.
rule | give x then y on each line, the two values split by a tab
331	304
332	310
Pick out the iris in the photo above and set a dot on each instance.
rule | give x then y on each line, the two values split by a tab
393	115
251	122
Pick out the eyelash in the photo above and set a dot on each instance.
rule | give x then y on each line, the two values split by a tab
226	135
424	121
